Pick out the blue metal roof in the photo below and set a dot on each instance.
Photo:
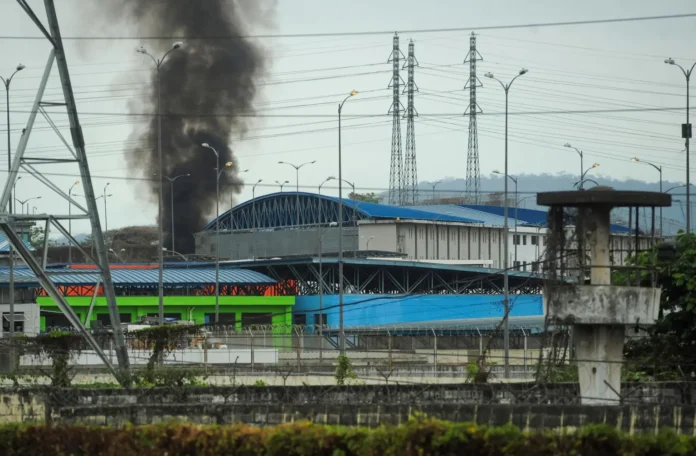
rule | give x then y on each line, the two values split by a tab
5	245
486	218
149	277
282	209
533	217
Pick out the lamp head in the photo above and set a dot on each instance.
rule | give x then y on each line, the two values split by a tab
312	162
205	145
353	93
635	159
495	171
38	197
228	165
20	67
286	182
567	145
188	174
259	181
523	71
244	171
669	61
333	224
281	162
76	182
595	165
489	75
177	45
141	50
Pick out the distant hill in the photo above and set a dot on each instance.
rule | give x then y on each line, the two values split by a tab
673	217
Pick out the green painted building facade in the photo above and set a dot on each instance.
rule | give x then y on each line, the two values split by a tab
238	311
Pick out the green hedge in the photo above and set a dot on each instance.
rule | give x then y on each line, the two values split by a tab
420	437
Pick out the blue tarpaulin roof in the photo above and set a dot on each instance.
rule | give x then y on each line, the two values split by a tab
5	244
146	277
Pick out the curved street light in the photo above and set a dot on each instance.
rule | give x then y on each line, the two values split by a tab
282	184
341	335
686	135
582	166
659	169
506	281
77	182
218	173
171	194
160	222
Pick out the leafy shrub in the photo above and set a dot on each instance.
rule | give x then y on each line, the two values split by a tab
344	370
418	436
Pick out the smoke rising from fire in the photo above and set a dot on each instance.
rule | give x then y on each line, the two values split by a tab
207	89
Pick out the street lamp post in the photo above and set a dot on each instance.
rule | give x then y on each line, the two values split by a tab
433	185
659	169
582	176
70	220
506	282
282	184
160	222
686	134
515	236
171	194
297	186
218	172
23	202
10	252
106	216
253	214
321	288
582	166
6	82
341	336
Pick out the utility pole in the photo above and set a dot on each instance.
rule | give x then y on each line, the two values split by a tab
396	183
473	173
410	190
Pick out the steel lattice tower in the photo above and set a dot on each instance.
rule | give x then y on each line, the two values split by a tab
410	172
396	182
473	173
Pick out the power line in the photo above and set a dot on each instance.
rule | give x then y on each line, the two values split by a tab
367	33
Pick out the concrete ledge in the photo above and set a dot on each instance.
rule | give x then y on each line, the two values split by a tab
604	305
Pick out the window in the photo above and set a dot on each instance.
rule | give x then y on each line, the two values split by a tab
53	321
534	240
524	240
299	319
516	264
323	321
106	321
18	322
524	265
516	239
255	319
227	319
543	240
535	267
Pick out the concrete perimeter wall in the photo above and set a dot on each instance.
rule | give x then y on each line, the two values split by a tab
554	406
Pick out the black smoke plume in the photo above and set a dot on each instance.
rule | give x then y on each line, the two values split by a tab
207	88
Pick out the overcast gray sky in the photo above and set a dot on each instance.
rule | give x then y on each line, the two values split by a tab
588	67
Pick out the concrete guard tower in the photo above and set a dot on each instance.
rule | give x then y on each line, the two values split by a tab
599	312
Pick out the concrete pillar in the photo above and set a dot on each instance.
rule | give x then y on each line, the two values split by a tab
599	348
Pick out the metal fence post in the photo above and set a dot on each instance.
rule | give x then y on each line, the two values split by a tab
434	351
480	342
390	350
524	333
251	343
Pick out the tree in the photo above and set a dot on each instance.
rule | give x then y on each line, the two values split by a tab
36	237
670	345
370	197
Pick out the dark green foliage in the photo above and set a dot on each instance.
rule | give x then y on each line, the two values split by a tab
344	370
669	351
419	436
161	340
59	347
